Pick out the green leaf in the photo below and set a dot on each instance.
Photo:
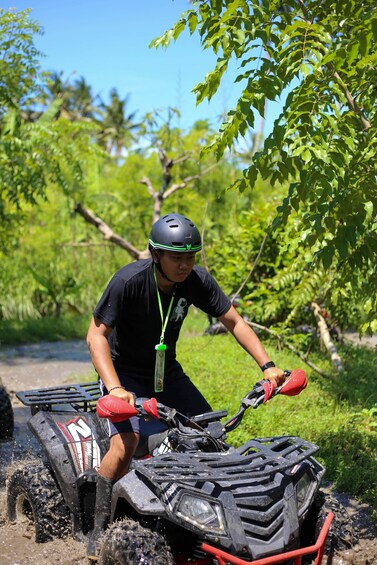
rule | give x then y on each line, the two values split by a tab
373	24
178	28
342	246
369	208
330	224
327	255
162	41
353	52
192	21
49	114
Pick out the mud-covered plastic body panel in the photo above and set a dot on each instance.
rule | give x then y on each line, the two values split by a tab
254	489
74	444
74	440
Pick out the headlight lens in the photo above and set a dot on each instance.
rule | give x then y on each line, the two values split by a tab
302	489
201	513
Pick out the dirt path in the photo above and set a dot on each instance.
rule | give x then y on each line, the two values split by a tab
27	368
46	364
367	340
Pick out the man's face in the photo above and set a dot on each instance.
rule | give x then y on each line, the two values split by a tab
177	266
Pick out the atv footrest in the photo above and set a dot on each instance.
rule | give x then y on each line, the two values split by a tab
296	555
80	396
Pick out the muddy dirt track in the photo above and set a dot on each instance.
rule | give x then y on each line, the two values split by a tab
24	368
49	364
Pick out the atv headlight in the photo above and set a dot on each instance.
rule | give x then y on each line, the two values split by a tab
303	487
201	513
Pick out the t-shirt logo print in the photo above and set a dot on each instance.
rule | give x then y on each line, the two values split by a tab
179	311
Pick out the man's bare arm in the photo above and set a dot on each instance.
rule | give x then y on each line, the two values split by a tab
101	358
250	342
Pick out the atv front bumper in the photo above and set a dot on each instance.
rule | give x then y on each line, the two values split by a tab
296	555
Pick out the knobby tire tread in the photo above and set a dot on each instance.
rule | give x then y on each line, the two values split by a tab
127	543
34	488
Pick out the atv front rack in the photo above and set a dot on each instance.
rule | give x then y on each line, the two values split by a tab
256	459
81	397
316	551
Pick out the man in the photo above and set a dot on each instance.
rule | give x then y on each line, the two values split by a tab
133	334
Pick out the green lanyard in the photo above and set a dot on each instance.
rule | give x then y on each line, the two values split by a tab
164	323
159	368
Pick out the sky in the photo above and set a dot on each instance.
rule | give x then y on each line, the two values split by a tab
107	42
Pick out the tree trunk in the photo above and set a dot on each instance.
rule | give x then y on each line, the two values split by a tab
326	338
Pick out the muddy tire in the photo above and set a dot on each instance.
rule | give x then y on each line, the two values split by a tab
342	534
128	543
6	415
34	500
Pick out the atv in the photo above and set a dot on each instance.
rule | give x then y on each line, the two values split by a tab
189	497
6	414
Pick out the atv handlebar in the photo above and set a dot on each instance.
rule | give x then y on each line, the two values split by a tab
116	409
264	390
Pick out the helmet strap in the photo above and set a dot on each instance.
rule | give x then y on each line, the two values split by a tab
161	271
156	261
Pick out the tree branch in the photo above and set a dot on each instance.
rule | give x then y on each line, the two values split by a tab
149	185
185	182
181	159
108	234
253	266
203	253
352	102
291	348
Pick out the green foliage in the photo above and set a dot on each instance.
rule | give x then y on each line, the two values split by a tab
49	268
14	332
33	154
118	127
50	158
269	269
240	244
19	59
321	59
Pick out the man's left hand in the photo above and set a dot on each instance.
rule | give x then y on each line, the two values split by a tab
275	375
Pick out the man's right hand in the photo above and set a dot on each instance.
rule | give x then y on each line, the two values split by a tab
123	394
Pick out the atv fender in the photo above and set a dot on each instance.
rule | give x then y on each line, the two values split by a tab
137	494
74	444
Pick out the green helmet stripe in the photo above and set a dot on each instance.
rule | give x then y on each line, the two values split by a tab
187	248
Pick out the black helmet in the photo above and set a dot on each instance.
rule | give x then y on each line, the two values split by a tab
174	232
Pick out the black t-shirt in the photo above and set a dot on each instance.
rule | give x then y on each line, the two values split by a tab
129	305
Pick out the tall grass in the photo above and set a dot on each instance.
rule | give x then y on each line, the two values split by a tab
14	332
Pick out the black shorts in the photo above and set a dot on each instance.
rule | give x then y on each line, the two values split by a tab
179	393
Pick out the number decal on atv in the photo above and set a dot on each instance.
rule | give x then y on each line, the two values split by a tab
82	444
